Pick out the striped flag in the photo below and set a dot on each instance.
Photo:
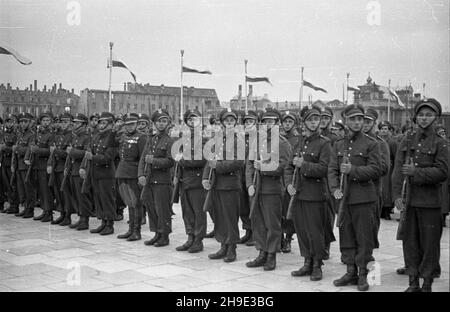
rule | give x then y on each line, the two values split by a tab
352	89
310	85
191	70
10	51
118	63
395	95
257	79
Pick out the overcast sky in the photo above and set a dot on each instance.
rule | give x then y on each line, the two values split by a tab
328	38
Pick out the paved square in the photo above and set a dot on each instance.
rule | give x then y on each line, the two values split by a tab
36	256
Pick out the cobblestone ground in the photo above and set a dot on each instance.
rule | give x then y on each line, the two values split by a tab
37	256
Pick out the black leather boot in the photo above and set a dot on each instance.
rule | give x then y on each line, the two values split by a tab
67	220
187	244
83	224
316	274
162	241
414	285
349	278
306	269
327	252
109	228
246	237
28	213
39	217
76	224
426	286
136	233
59	219
221	253
197	246
48	216
401	271
362	279
271	262
258	261
129	232
231	253
100	228
210	234
287	244
153	240
12	210
20	213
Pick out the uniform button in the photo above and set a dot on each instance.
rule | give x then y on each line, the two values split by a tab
415	164
350	148
348	155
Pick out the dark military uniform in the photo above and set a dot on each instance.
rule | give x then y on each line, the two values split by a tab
266	217
26	190
82	202
310	205
9	139
120	205
131	146
422	228
158	186
357	233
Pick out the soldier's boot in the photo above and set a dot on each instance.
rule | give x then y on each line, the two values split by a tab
109	228
414	285
83	224
258	261
129	232
306	269
136	232
401	271
250	242
76	224
119	215
231	253
20	213
28	213
246	237
287	244
271	262
210	234
153	240
162	241
67	220
426	286
220	254
187	244
12	210
100	228
316	274
59	219
197	246
349	278
362	280
327	251
40	217
48	216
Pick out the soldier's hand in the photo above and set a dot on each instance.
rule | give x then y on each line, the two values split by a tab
13	169
297	161
178	157
82	173
338	194
291	190
88	155
257	164
33	148
251	190
14	147
68	149
27	162
52	148
49	169
206	184
345	168
142	180
408	170
148	159
212	163
399	204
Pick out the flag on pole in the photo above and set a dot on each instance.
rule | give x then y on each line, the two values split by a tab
310	85
395	95
257	79
352	89
192	70
118	63
10	51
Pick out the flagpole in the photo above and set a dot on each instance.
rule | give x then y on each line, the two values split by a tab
343	93
389	101
423	92
346	102
110	75
301	91
181	89
245	87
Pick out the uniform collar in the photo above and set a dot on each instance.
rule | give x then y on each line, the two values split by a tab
314	136
426	132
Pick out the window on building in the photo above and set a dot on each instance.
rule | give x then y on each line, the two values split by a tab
105	105
121	106
135	106
153	107
94	106
142	107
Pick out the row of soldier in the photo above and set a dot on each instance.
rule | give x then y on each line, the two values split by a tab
322	172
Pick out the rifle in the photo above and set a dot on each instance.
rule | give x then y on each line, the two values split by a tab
51	179
255	198
31	159
85	163
13	167
209	193
67	169
343	186
147	173
295	179
176	186
406	190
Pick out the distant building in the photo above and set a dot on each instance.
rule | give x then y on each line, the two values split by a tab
138	98
35	101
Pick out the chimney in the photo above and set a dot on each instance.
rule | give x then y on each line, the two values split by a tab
45	88
35	85
73	90
8	86
240	91
31	87
124	86
60	86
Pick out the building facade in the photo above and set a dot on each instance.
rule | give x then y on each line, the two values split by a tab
35	101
